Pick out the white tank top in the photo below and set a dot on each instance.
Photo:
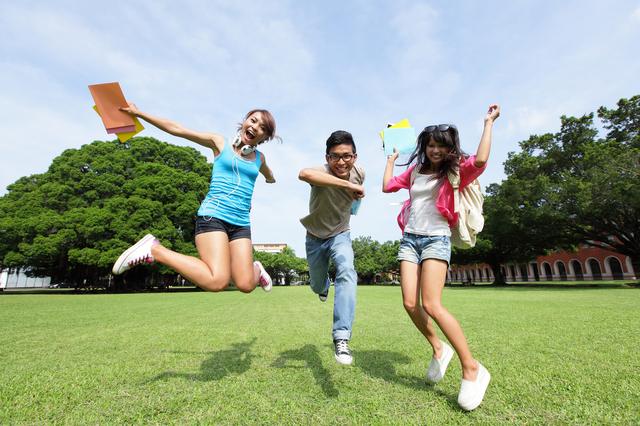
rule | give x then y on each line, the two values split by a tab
424	216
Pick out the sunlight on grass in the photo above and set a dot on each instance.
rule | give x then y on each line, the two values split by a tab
556	355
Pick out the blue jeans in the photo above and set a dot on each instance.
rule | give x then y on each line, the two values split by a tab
337	248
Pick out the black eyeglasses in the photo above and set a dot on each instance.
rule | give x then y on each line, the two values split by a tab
440	127
337	157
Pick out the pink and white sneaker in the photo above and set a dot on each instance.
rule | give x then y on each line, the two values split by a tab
264	280
138	253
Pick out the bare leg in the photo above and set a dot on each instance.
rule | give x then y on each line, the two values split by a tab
211	271
243	271
409	279
434	272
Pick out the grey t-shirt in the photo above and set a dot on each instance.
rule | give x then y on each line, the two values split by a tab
329	207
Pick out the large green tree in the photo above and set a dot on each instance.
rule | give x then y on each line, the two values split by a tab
567	188
372	257
72	221
592	182
284	264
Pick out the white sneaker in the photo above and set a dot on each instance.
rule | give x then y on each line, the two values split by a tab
438	367
472	393
264	280
343	353
138	253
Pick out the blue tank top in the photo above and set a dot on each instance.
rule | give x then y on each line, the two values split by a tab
232	181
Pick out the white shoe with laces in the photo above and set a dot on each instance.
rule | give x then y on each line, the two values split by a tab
438	367
264	280
343	353
472	392
138	253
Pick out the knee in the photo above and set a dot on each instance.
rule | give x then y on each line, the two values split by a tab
245	286
412	308
215	283
346	272
434	310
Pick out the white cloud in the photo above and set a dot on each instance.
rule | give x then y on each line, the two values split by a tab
526	120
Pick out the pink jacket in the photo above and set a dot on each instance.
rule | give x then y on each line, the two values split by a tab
468	173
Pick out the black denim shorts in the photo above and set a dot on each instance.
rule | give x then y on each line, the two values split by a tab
212	224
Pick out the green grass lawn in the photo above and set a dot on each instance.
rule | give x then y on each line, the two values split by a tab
556	356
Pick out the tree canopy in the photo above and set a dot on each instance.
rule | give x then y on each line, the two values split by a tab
372	257
72	221
567	188
284	264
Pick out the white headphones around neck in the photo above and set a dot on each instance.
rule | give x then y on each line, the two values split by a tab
245	149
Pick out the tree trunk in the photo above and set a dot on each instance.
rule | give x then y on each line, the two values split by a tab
497	274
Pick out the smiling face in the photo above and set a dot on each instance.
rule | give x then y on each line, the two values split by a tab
341	159
436	152
254	129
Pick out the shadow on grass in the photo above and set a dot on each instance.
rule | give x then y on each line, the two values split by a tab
308	357
382	365
220	364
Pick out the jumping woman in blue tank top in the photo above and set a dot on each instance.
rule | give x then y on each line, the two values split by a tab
223	232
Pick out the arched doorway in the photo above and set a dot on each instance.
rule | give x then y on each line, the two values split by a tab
577	270
547	271
596	272
524	273
616	268
536	273
562	271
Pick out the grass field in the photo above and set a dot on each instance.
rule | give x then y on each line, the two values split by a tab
560	356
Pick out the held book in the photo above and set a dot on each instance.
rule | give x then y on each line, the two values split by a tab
109	99
403	139
125	136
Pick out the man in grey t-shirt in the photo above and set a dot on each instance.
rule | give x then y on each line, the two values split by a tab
336	187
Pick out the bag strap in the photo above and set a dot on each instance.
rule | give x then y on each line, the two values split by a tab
454	179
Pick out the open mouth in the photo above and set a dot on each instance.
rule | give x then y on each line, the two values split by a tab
250	135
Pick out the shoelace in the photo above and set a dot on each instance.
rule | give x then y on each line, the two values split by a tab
139	260
342	348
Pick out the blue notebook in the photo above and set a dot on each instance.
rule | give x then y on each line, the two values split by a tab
403	139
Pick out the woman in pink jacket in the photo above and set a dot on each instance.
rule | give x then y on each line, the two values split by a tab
425	248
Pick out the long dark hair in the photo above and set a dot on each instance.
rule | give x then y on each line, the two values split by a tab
448	138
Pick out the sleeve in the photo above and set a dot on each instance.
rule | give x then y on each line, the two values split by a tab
324	169
402	181
469	172
360	174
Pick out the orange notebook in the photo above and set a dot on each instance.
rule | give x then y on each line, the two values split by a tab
109	98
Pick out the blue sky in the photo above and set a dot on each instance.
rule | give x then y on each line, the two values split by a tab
319	67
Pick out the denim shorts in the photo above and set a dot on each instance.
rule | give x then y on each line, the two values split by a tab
416	248
212	224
